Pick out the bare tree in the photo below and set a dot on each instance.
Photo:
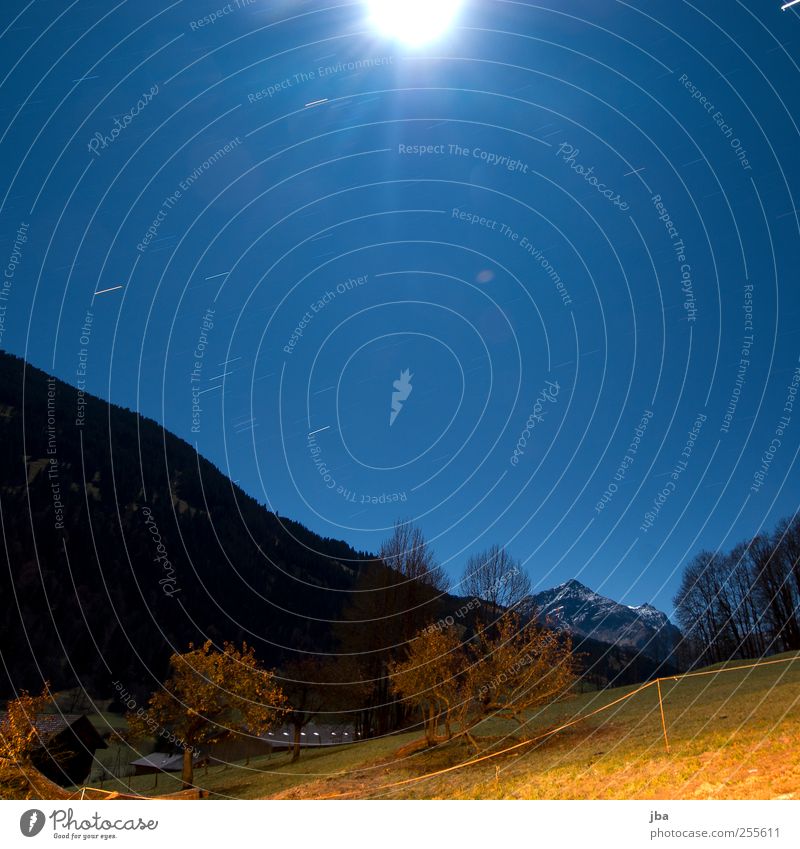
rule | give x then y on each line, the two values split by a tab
745	603
774	586
788	531
391	603
417	579
408	553
698	610
496	578
745	610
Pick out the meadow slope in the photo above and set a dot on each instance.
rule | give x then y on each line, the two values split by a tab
732	735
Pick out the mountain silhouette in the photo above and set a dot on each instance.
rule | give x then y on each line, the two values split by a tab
121	542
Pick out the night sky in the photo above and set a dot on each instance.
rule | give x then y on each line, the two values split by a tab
564	236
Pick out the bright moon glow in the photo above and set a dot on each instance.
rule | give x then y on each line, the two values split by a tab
413	21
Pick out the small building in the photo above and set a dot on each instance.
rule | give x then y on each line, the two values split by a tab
240	746
66	746
158	762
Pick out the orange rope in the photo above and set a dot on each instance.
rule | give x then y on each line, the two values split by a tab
575	721
728	669
82	792
502	751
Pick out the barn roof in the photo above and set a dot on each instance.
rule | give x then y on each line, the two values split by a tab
50	725
161	760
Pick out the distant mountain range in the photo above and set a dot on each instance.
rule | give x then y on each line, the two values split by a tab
574	607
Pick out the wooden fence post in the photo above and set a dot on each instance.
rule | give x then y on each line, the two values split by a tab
663	720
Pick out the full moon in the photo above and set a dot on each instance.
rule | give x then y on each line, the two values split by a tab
414	22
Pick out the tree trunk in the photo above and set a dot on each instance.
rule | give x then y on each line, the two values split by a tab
472	740
296	749
432	725
188	769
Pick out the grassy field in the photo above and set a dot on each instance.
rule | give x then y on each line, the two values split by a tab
732	735
264	777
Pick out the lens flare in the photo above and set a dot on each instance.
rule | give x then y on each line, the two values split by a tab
413	22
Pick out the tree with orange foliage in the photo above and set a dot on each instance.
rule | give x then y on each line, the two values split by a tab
210	695
18	740
430	679
518	665
505	670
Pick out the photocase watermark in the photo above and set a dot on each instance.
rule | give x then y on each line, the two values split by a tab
152	231
504	676
719	119
80	371
315	449
677	470
363	498
318	305
679	249
488	157
475	219
32	822
626	463
402	389
185	184
329	481
101	141
169	581
450	620
316	74
52	461
548	395
744	360
741	832
63	820
780	429
224	11
206	327
156	728
537	255
569	155
472	604
10	272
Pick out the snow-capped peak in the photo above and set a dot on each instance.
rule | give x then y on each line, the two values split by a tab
575	607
